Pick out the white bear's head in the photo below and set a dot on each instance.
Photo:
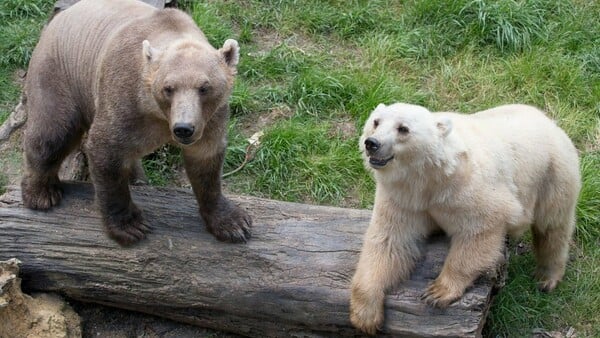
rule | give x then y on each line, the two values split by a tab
403	135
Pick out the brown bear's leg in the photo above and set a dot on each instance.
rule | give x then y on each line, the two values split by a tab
40	186
137	176
469	256
53	130
121	217
226	221
390	249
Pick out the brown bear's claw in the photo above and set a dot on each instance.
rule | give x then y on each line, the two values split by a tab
127	229
229	223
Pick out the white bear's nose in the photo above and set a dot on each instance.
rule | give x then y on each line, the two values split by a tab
372	145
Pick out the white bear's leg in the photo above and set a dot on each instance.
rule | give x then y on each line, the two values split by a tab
554	223
469	256
551	239
551	249
390	248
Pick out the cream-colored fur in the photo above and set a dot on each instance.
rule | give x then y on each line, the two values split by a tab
476	177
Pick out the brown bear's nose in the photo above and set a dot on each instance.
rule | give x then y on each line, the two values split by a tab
372	145
183	130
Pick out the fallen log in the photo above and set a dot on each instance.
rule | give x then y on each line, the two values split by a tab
291	279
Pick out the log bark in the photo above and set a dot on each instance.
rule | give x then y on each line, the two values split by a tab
291	279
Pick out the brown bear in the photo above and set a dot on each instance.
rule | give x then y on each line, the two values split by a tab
134	77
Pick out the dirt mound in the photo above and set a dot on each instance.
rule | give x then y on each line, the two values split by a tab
43	315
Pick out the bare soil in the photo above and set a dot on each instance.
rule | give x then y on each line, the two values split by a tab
41	315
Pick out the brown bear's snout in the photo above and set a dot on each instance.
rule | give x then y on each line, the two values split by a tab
372	145
183	131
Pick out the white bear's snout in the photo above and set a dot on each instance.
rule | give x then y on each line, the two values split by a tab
372	145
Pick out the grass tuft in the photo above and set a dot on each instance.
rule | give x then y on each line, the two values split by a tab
3	183
161	165
509	25
588	216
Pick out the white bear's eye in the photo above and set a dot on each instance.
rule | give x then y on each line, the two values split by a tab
375	123
403	129
168	91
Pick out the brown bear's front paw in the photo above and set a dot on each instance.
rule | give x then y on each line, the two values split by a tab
441	295
127	228
229	223
41	197
366	313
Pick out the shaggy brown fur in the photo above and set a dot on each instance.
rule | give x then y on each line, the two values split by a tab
134	78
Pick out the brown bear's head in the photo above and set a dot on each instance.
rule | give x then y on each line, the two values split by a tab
190	81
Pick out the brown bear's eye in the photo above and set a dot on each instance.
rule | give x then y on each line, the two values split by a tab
403	129
168	90
203	90
375	123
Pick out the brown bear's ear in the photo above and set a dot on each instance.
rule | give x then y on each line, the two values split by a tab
231	52
444	125
150	53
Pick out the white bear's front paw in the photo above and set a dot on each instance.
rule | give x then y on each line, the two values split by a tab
440	294
547	279
366	311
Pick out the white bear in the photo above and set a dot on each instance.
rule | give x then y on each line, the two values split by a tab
478	178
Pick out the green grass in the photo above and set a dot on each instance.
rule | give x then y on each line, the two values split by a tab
316	160
311	71
3	183
21	21
161	165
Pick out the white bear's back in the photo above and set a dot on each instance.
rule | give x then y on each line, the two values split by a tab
520	148
522	131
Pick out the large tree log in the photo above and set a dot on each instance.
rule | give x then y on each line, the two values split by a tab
291	279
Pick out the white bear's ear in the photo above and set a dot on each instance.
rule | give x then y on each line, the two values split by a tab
444	125
231	52
150	52
380	106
